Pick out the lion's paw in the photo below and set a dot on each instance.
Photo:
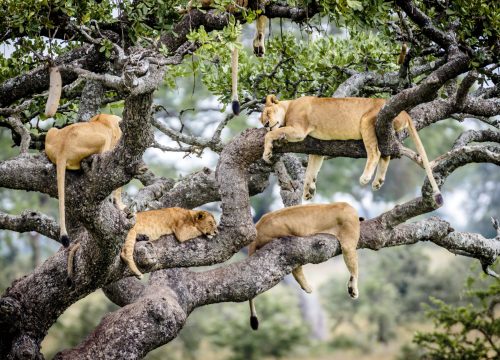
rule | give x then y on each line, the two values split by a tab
258	51
352	288
307	288
377	184
353	293
267	156
363	180
309	191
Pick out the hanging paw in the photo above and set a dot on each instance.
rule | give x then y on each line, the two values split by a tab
307	288
258	50
352	288
267	156
363	180
309	191
377	184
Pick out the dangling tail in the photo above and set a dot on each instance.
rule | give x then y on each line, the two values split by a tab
438	198
71	260
234	81
254	321
61	173
55	89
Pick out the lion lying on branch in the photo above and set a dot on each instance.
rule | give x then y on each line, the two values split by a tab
337	119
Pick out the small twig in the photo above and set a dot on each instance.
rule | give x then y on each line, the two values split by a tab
412	155
18	128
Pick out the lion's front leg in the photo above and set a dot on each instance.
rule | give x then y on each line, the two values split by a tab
268	147
287	133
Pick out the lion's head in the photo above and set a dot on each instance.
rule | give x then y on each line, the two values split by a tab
205	223
273	115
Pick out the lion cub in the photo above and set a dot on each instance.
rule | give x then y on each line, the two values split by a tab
183	223
68	146
338	219
337	119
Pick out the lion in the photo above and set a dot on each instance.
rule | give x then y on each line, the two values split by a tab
183	223
338	219
336	119
258	41
67	147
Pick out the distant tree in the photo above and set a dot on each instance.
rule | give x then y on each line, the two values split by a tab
462	332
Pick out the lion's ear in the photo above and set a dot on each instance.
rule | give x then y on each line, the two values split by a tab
200	215
271	99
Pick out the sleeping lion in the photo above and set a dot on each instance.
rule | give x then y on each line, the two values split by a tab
336	119
338	219
183	223
150	225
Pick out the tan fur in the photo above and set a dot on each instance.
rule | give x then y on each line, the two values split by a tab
55	89
67	147
183	223
258	42
338	219
336	119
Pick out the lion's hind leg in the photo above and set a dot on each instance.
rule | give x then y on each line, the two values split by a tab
298	274
349	237
351	260
313	166
381	171
371	145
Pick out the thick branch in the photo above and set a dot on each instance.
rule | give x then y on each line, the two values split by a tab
177	292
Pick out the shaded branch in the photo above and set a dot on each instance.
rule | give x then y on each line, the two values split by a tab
429	29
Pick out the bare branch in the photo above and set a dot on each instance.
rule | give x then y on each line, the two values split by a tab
487	120
445	40
469	136
290	173
19	129
30	220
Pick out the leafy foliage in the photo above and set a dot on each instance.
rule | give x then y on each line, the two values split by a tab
464	332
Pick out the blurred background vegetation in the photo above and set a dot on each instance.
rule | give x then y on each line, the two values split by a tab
420	288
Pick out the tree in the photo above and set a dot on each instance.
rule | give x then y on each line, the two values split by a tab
118	53
462	332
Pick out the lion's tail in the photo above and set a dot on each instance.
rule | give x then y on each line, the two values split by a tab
254	321
438	198
61	174
234	81
71	261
